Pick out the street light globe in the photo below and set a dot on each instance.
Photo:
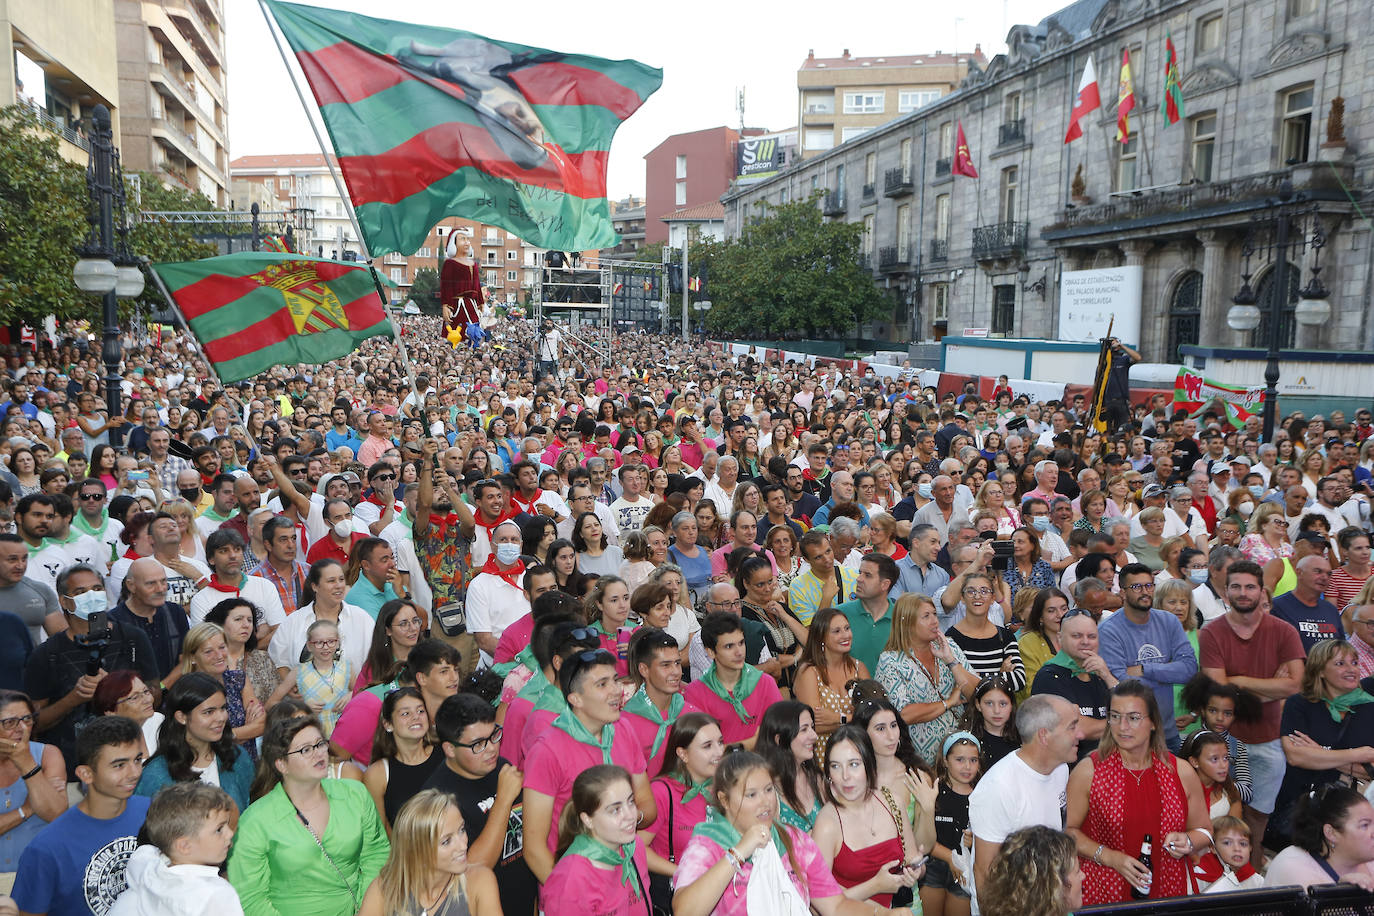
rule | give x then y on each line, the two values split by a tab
1312	311
1243	317
95	275
129	282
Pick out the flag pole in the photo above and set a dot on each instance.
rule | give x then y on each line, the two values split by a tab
347	203
200	351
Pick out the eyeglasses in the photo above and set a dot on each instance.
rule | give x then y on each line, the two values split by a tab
92	497
736	603
16	721
321	745
978	592
481	744
385	477
1134	718
1141	587
324	643
413	623
137	695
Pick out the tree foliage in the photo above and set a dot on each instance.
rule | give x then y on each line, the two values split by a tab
790	273
43	205
425	290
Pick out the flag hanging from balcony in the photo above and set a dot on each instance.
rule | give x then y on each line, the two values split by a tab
1172	106
963	160
430	122
1125	98
1089	98
257	309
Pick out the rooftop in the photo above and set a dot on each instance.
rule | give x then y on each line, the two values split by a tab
846	62
711	210
291	161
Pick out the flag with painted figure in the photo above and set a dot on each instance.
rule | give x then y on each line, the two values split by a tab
1193	391
429	122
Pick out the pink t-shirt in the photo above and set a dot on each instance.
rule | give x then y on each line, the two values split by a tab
513	730
702	853
577	886
514	639
645	732
732	729
558	758
357	726
668	798
538	722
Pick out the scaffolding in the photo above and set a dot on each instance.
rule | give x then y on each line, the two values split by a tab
596	298
248	227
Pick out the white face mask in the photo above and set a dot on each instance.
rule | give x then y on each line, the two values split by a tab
507	554
343	527
88	603
1246	508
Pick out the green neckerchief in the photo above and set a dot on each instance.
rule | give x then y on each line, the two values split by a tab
718	829
535	689
1063	660
601	628
641	705
407	521
1346	702
381	690
591	848
214	516
71	537
33	550
80	524
702	788
569	723
748	680
525	657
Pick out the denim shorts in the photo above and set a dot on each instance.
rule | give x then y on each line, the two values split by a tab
939	875
1267	768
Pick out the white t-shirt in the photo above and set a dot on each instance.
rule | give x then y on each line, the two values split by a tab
259	591
1173	525
398	534
355	636
1209	604
629	516
603	515
1011	795
492	605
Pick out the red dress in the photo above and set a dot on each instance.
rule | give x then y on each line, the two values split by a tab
460	291
853	867
1121	810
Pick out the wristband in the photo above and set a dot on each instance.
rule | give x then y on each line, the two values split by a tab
1097	856
38	768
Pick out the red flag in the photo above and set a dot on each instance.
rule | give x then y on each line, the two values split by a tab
1088	99
963	161
1125	98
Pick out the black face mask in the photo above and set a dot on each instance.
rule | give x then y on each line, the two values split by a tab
191	496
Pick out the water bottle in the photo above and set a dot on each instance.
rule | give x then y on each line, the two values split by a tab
1145	858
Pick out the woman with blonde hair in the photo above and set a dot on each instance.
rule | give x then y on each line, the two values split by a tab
1266	536
1036	873
192	541
205	649
992	498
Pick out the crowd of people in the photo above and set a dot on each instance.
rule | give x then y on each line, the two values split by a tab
692	632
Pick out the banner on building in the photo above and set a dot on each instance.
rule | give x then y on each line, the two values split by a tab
1090	299
1193	391
758	157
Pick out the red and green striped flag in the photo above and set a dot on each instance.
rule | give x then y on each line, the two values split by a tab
255	310
1172	105
429	122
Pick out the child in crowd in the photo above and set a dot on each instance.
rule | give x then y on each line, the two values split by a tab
990	716
324	677
1210	756
1217	707
1228	868
189	831
942	890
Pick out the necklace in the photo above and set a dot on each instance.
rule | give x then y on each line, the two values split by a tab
424	911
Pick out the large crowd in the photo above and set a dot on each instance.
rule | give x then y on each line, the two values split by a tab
505	628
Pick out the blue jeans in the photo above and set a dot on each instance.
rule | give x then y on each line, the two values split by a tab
1267	767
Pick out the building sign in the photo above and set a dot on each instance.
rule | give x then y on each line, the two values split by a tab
1089	300
758	157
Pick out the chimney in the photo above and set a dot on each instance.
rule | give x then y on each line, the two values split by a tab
846	54
810	53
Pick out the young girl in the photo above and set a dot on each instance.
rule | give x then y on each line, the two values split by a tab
990	716
1210	756
1217	707
602	866
681	794
608	610
428	870
1227	867
942	892
324	683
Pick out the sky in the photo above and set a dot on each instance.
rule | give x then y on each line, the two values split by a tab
707	49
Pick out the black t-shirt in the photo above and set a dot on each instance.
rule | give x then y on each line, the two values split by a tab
995	747
57	664
1314	623
165	632
1118	387
475	798
1091	696
951	817
1314	721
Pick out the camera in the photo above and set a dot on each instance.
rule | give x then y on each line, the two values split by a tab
1001	556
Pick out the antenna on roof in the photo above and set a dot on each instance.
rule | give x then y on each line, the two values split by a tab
739	106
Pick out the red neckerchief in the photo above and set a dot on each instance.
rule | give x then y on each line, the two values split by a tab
207	480
511	575
1209	868
132	554
477	520
525	506
372	498
441	523
219	586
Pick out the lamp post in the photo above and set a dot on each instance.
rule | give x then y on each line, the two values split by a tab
105	267
1288	216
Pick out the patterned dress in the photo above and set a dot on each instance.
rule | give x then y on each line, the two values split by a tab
325	687
1123	806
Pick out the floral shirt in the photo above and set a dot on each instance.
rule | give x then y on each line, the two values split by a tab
908	681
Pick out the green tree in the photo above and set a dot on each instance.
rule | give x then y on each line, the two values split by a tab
425	290
790	272
161	241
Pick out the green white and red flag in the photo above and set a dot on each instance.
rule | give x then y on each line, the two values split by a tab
1193	391
429	122
256	309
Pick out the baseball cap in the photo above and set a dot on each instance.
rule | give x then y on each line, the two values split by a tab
1151	491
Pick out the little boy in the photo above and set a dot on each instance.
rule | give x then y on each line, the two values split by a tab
189	831
1228	867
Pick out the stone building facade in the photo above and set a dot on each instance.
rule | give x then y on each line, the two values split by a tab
1274	91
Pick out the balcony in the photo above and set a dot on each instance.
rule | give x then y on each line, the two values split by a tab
1012	133
204	36
833	204
185	144
942	167
894	259
866	261
869	194
1000	240
897	183
54	124
492	240
939	249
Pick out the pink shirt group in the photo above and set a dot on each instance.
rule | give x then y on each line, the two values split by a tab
577	886
684	818
702	853
731	728
557	758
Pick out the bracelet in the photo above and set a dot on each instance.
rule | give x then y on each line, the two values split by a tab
734	859
38	768
23	815
1097	856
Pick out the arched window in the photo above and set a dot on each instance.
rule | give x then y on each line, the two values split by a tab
1288	323
1185	314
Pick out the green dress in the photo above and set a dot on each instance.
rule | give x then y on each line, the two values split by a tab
791	818
278	869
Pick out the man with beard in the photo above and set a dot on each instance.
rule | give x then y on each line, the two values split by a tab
1259	653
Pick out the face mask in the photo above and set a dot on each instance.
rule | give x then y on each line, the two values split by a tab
191	496
507	554
1246	509
88	603
1002	466
923	490
1197	576
343	527
1041	523
1256	491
